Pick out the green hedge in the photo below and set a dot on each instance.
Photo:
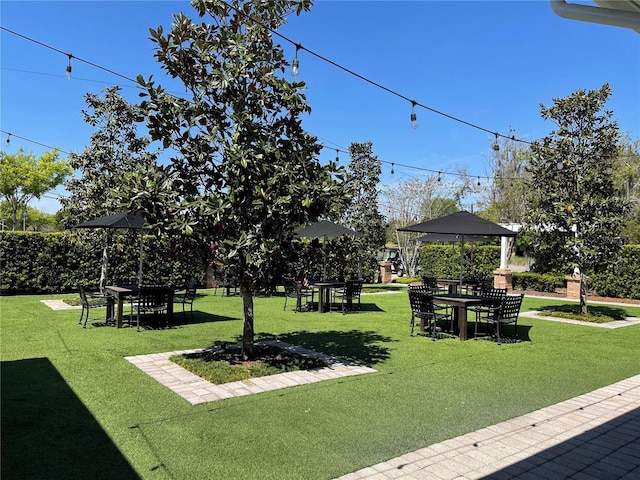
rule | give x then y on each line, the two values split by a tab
444	260
541	282
34	262
621	278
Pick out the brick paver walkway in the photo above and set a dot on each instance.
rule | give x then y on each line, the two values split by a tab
595	436
195	390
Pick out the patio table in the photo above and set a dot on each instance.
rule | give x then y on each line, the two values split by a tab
324	293
460	303
120	292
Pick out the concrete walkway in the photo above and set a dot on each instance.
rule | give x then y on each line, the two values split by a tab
595	436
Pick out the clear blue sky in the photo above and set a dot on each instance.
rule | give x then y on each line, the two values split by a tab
488	63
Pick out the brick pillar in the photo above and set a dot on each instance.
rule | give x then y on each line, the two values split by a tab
503	278
385	272
573	286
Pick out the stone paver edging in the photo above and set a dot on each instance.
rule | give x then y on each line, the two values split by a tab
196	390
629	321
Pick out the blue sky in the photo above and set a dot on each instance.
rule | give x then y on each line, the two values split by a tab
488	63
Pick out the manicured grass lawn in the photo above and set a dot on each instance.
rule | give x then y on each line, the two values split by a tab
72	407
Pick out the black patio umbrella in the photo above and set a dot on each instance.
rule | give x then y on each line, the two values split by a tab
126	220
326	229
461	223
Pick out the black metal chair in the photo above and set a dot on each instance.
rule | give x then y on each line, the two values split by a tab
296	289
506	314
348	294
88	305
494	297
152	299
422	307
187	297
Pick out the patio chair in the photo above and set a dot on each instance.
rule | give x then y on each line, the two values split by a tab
506	314
484	313
422	307
152	299
187	297
88	305
296	289
348	294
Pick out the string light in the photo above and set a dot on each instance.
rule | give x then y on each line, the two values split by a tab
8	138
439	176
69	66
392	172
478	181
337	156
414	117
496	145
295	65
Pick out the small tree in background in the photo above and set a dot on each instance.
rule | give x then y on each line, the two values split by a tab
24	177
576	215
246	174
362	213
115	151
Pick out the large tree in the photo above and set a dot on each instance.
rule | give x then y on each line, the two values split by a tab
576	215
362	213
116	149
246	174
23	177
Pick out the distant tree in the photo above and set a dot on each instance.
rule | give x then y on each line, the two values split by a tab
419	200
626	178
24	177
576	215
247	174
504	199
362	213
115	151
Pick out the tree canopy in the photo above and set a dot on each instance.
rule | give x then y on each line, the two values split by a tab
576	214
23	177
245	174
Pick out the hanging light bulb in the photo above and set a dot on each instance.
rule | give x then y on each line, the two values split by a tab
439	176
8	138
496	145
69	67
392	172
337	156
295	65
478	181
414	117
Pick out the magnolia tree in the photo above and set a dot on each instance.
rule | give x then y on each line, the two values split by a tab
576	214
245	174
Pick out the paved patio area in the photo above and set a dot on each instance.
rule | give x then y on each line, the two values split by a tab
595	436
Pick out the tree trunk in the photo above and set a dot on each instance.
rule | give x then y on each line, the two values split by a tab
248	332
583	293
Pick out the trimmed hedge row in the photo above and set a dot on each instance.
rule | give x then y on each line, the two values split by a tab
34	262
621	279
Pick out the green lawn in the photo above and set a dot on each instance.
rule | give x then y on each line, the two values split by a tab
72	407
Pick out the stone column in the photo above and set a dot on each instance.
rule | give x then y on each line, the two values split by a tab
503	278
385	271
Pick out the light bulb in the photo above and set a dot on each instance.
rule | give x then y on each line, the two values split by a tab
560	165
295	67
414	120
69	69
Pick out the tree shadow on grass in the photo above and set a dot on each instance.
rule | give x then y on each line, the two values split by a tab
614	312
47	432
361	347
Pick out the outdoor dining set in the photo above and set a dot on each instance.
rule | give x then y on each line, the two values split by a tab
442	309
323	295
157	300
